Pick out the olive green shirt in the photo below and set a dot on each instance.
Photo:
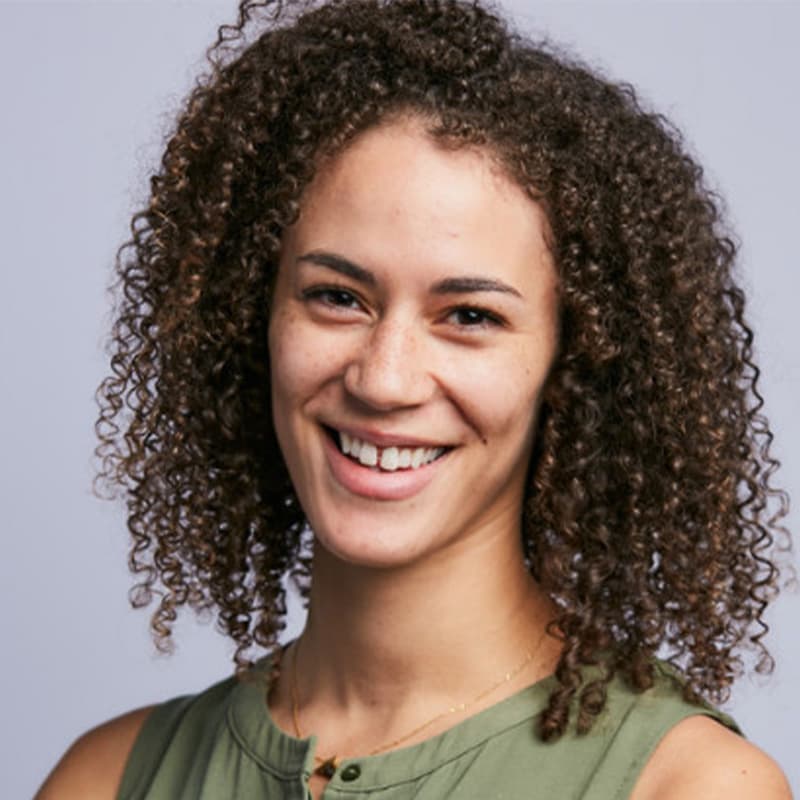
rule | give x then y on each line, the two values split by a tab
222	743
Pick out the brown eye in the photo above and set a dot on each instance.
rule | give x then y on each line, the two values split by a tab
472	317
332	296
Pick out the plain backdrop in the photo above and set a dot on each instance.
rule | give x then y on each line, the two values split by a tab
88	90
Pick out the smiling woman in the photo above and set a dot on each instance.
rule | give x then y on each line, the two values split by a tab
442	325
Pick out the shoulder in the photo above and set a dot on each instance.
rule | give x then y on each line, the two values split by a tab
700	758
92	768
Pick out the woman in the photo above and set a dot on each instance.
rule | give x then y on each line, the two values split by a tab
442	325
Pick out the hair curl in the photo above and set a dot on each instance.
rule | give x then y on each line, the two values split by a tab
650	517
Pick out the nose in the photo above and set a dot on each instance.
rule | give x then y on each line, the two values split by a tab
391	368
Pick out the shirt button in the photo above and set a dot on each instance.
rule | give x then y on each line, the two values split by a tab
352	772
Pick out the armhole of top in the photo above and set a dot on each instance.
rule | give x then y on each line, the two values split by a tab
649	718
149	747
648	745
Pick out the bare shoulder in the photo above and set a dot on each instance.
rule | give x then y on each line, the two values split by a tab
92	767
701	759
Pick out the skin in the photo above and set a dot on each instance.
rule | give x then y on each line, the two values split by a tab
390	349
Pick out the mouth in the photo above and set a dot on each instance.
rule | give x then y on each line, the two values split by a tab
384	459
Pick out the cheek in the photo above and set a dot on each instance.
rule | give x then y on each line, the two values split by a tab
499	393
289	370
301	361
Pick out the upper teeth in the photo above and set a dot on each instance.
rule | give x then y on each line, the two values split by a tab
389	458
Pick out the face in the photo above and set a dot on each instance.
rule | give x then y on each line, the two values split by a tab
412	329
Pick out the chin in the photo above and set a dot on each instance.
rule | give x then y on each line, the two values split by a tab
359	545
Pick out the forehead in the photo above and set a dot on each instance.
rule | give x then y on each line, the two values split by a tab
397	194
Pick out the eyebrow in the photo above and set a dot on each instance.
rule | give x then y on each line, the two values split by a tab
340	265
466	285
462	285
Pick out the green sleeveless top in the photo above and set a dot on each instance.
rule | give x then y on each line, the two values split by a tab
222	744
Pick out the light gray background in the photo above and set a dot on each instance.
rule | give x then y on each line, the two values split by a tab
87	90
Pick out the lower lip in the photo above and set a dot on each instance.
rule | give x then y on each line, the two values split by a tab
377	484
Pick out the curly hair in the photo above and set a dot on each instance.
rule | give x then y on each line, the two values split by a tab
650	517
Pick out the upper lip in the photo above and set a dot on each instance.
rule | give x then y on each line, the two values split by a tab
384	438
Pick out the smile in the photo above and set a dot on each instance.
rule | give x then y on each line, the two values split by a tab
384	470
387	459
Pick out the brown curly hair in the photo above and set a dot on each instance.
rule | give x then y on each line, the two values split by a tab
650	518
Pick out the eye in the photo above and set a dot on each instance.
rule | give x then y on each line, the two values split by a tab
474	317
332	296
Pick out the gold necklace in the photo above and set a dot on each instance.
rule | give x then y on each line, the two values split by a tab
328	766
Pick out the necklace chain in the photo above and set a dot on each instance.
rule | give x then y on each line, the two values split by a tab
328	766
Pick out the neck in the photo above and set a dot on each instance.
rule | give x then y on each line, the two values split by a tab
442	630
